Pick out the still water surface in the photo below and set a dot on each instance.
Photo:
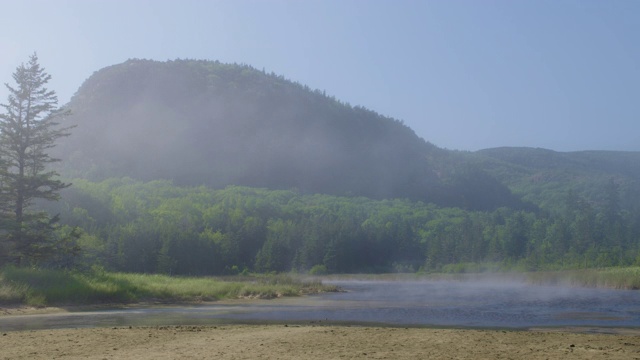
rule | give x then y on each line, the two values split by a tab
400	303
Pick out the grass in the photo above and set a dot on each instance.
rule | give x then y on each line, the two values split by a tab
37	287
614	278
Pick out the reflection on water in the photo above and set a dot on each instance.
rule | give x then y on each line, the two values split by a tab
415	303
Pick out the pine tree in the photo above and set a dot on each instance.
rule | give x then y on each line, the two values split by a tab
28	129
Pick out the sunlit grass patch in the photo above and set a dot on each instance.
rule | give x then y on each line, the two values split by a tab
38	287
165	288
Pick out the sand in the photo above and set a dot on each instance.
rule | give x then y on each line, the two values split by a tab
313	342
310	341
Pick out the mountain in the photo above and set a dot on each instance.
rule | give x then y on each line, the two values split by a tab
214	124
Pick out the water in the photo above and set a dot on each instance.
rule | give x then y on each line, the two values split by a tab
481	304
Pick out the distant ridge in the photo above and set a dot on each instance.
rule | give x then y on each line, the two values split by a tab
545	177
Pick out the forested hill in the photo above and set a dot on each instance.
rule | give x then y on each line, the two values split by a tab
402	203
214	124
545	177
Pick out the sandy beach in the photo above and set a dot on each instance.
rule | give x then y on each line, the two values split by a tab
313	342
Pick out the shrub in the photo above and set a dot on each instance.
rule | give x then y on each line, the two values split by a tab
318	270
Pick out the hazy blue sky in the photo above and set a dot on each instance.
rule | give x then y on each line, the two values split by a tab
464	75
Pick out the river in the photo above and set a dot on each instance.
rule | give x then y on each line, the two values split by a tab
470	304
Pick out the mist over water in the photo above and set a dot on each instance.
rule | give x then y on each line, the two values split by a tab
482	303
488	303
485	303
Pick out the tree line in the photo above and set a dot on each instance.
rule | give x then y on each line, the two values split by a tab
156	227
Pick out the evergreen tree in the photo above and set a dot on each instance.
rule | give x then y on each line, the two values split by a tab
28	129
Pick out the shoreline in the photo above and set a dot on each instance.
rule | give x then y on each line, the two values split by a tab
26	310
19	311
296	340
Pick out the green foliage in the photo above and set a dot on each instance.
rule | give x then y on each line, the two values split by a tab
28	129
39	287
318	270
617	278
474	268
544	177
199	231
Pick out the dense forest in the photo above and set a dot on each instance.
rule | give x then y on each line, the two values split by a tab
199	167
159	227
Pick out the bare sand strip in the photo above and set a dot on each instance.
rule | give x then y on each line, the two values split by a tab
312	342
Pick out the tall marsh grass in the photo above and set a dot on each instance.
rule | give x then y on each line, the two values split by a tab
38	287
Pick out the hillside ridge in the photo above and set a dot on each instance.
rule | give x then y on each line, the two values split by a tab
200	122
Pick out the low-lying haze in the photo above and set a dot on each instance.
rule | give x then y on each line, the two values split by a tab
464	75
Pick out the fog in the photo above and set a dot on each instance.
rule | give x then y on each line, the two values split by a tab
497	302
486	303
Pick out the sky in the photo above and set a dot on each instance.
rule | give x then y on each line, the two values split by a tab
463	74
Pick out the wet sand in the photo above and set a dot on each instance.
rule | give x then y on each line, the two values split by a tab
313	342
